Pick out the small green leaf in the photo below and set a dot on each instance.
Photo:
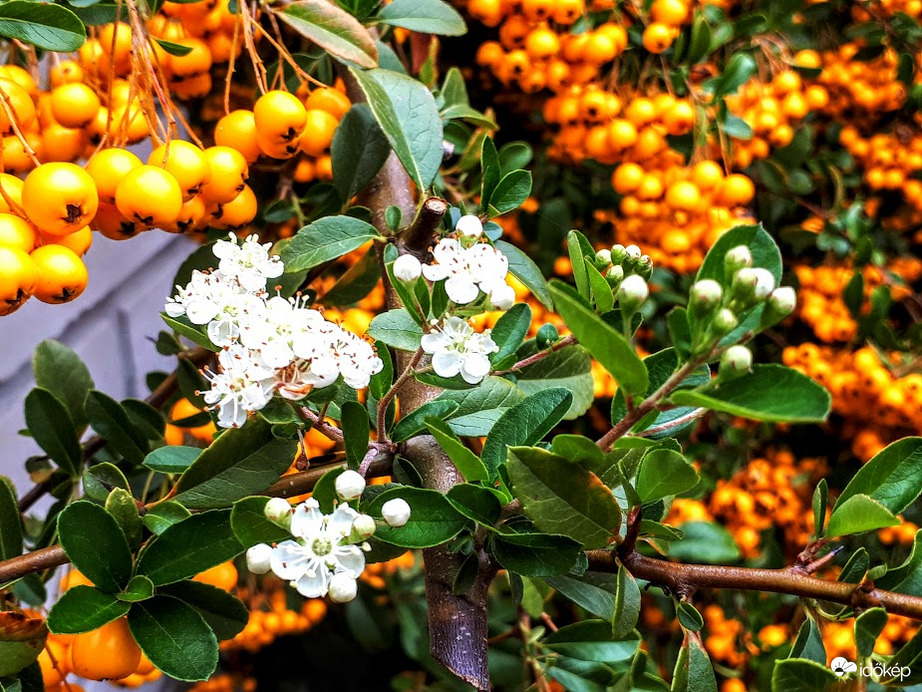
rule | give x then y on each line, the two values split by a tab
110	420
480	407
122	506
171	459
859	514
510	330
176	49
489	179
84	608
396	328
770	392
536	554
664	472
604	343
689	617
95	544
174	637
331	28
511	191
424	16
359	149
250	526
820	498
50	425
893	477
45	26
140	588
468	463
476	502
525	424
569	367
592	640
60	370
523	268
627	603
415	422
433	520
809	643
868	626
225	613
356	429
801	675
10	522
326	239
693	670
163	515
189	547
593	591
406	112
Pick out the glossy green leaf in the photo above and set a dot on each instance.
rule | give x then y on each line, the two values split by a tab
171	459
95	544
433	520
331	28
326	239
140	588
84	608
535	554
868	626
359	149
592	640
569	367
604	343
770	392
593	591
110	420
510	330
858	514
664	472
396	328
627	603
174	637
250	526
409	118
801	675
480	407
893	477
60	370
525	424
523	268
511	191
225	614
468	463
163	515
809	643
424	16
476	502
123	507
182	326
50	425
415	422
10	522
45	26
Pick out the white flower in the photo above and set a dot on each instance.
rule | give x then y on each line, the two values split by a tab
469	226
259	558
396	512
204	298
343	587
243	385
467	271
350	485
319	551
502	296
249	263
407	268
456	348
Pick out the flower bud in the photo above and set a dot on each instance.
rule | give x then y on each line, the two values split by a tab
633	252
618	253
502	296
737	258
470	226
603	258
783	300
632	293
278	511
343	587
258	558
363	527
547	335
614	275
724	322
396	512
407	268
644	267
735	361
350	485
752	285
704	297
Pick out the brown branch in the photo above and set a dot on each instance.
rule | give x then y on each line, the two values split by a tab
388	397
419	236
36	561
685	579
539	356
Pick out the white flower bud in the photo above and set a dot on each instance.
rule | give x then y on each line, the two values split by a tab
258	558
735	361
350	485
765	283
407	268
363	527
706	294
502	296
470	226
753	285
633	252
343	587
615	273
632	292
737	258
783	300
603	257
278	511
396	512
724	322
618	253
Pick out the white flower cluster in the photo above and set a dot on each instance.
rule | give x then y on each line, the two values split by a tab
456	348
326	555
270	344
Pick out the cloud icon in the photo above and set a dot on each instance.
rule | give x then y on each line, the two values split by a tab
841	666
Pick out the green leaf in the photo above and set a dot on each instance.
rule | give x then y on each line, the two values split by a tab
893	477
577	248
95	544
737	72
357	282
480	407
770	392
45	26
196	334
175	638
511	191
664	472
326	239
693	670
240	462
140	588
359	150
525	424
382	381
509	331
396	328
189	547
424	16
414	422
627	603
801	675
111	421
604	343
820	498
592	640
433	519
600	289
325	489
406	112
562	497
84	608
250	526
60	370
489	179
50	425
476	502
356	429
225	614
523	268
809	643
468	463
176	49
331	28
163	515
569	367
705	541
906	577
858	514
535	554
689	617
122	506
99	480
592	591
10	521
171	459
868	626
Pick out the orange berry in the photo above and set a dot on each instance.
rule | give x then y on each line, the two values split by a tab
62	274
74	105
229	172
657	37
59	198
149	195
185	162
107	653
328	99
107	169
237	129
318	135
17	232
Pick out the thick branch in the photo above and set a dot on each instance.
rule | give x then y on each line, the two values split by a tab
420	235
686	578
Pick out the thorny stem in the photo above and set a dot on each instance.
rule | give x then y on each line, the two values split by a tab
388	397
